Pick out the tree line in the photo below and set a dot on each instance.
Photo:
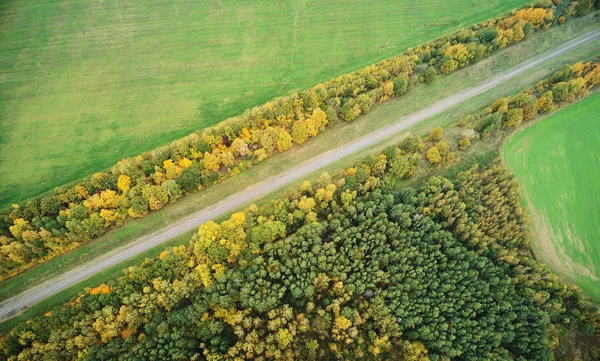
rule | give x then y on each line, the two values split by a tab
570	83
348	267
45	227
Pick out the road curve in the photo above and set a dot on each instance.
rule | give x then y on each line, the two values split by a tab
17	303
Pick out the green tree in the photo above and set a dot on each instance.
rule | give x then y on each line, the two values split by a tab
401	83
430	75
513	117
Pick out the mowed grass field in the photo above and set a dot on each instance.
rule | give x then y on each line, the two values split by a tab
85	83
557	162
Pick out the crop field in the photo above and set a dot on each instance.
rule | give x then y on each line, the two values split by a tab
85	83
558	165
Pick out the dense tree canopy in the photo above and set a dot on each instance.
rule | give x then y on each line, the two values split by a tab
340	269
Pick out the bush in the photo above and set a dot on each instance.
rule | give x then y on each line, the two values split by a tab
433	155
430	75
401	84
582	7
436	134
490	123
350	110
513	117
560	91
487	35
464	143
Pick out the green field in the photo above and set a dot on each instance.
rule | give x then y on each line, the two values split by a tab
557	161
84	83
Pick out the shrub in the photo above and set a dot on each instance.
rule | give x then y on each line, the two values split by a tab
464	143
430	75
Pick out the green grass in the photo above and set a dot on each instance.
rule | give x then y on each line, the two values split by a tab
84	83
557	162
338	134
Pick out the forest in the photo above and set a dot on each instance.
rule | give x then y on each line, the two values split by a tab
45	227
348	267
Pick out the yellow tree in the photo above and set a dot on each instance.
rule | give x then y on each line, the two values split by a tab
433	155
299	132
284	140
124	182
212	163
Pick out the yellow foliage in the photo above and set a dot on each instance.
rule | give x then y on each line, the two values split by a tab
306	186
284	338
205	276
239	147
578	68
593	77
342	323
211	162
388	88
260	154
231	316
133	214
83	193
245	134
19	225
209	231
219	269
163	254
299	132
159	177
168	163
330	191
185	163
238	218
227	158
124	182
127	332
109	216
29	235
155	203
459	53
284	141
195	154
319	118
536	16
433	155
306	204
379	344
107	199
102	289
311	127
172	172
350	172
